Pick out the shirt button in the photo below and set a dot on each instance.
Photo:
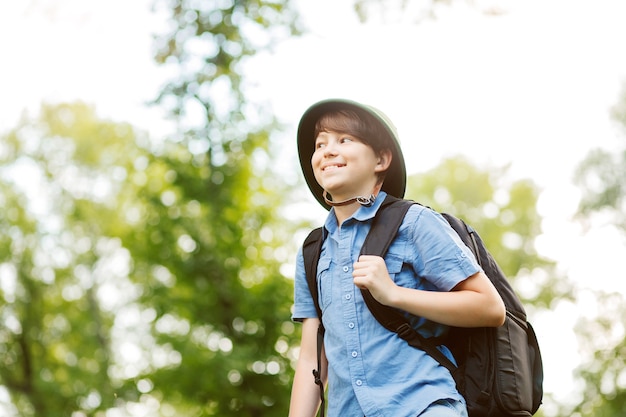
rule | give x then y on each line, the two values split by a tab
348	296
346	269
351	325
354	354
358	382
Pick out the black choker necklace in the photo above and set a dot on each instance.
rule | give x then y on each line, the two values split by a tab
364	201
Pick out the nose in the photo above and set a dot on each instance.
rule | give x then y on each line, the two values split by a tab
330	149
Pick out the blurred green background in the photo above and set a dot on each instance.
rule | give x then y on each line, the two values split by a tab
152	204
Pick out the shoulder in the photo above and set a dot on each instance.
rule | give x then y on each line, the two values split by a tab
418	213
423	223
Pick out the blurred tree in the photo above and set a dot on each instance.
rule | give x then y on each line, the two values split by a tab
59	268
206	254
505	216
604	349
135	277
601	179
207	245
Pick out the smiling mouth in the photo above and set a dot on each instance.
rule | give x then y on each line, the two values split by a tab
332	167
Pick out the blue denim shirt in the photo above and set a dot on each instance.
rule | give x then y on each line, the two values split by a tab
371	371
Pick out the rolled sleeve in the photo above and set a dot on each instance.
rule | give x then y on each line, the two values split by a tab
303	307
444	260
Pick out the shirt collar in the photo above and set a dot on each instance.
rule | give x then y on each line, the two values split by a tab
362	214
366	213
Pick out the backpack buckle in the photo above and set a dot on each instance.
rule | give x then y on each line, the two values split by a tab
405	331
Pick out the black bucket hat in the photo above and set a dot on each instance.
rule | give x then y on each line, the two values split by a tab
395	178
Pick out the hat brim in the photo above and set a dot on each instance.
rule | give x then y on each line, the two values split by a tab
395	178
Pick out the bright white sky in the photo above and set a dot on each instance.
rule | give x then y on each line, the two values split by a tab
531	87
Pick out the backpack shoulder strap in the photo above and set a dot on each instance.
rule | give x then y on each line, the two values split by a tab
385	226
394	209
382	233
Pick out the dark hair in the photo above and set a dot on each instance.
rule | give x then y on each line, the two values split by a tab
360	125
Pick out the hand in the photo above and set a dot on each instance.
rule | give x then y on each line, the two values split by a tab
370	272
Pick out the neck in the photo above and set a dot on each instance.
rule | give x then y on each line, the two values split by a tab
344	212
362	200
346	208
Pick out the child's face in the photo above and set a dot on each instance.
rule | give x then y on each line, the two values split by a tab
345	166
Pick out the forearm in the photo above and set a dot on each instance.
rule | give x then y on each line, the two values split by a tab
472	304
305	394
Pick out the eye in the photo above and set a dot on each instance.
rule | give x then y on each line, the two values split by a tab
345	139
319	144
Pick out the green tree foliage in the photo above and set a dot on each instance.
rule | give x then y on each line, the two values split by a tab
206	256
601	179
505	216
602	369
60	174
207	247
137	278
207	48
601	176
150	277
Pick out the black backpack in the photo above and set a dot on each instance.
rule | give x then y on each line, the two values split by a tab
500	370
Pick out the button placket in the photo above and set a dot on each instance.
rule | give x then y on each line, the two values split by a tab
349	309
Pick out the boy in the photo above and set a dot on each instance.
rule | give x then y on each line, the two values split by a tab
351	159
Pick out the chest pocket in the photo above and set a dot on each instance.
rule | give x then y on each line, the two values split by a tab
324	283
395	265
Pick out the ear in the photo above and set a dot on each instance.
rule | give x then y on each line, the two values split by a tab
384	161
